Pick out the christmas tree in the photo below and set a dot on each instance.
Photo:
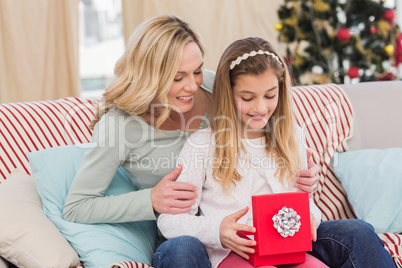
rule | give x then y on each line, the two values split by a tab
333	41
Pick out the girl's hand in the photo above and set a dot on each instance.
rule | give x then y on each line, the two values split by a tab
308	179
228	234
313	227
172	197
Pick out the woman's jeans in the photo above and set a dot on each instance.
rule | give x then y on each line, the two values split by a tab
340	243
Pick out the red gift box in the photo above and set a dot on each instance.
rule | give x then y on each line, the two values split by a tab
272	248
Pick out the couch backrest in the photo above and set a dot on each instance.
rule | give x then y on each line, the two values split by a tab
323	111
377	108
33	126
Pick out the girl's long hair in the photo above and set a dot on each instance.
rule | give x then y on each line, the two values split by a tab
279	136
148	66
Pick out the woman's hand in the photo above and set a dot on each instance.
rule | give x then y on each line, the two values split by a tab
308	179
313	227
172	197
228	234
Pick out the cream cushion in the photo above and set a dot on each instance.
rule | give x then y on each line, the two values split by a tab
29	238
3	263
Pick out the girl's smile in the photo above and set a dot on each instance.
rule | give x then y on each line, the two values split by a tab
258	117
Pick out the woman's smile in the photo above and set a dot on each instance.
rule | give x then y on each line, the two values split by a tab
185	99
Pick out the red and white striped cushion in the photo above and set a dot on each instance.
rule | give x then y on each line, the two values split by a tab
393	243
32	126
129	264
325	114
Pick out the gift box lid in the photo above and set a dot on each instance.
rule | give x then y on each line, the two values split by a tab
269	240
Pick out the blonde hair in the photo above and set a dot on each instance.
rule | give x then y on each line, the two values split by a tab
147	68
281	144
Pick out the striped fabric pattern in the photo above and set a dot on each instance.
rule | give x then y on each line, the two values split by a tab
32	126
393	243
129	264
323	111
325	116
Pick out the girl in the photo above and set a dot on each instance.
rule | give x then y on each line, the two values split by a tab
253	146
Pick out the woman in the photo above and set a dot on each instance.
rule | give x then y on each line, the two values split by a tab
156	100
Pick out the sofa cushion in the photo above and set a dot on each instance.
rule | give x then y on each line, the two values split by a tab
33	126
372	179
325	116
98	245
29	238
3	263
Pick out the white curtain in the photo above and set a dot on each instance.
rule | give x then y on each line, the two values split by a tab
38	50
219	22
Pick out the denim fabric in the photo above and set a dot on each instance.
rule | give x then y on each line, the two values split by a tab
182	251
350	243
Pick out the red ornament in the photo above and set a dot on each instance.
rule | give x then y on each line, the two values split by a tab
389	15
353	72
289	60
386	77
343	34
373	30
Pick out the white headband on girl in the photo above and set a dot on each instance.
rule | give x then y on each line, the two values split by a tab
252	54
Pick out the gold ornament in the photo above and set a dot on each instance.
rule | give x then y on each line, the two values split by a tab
278	26
298	60
320	6
383	28
389	49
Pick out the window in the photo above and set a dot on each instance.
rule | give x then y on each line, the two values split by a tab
101	44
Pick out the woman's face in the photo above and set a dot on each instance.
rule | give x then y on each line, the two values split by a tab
255	100
187	80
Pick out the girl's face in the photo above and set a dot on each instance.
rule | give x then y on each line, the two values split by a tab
187	80
255	99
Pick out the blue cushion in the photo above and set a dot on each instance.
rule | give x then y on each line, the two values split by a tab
372	179
98	245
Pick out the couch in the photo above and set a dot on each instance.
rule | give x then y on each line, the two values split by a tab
337	120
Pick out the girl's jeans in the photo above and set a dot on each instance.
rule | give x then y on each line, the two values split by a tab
350	243
340	243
